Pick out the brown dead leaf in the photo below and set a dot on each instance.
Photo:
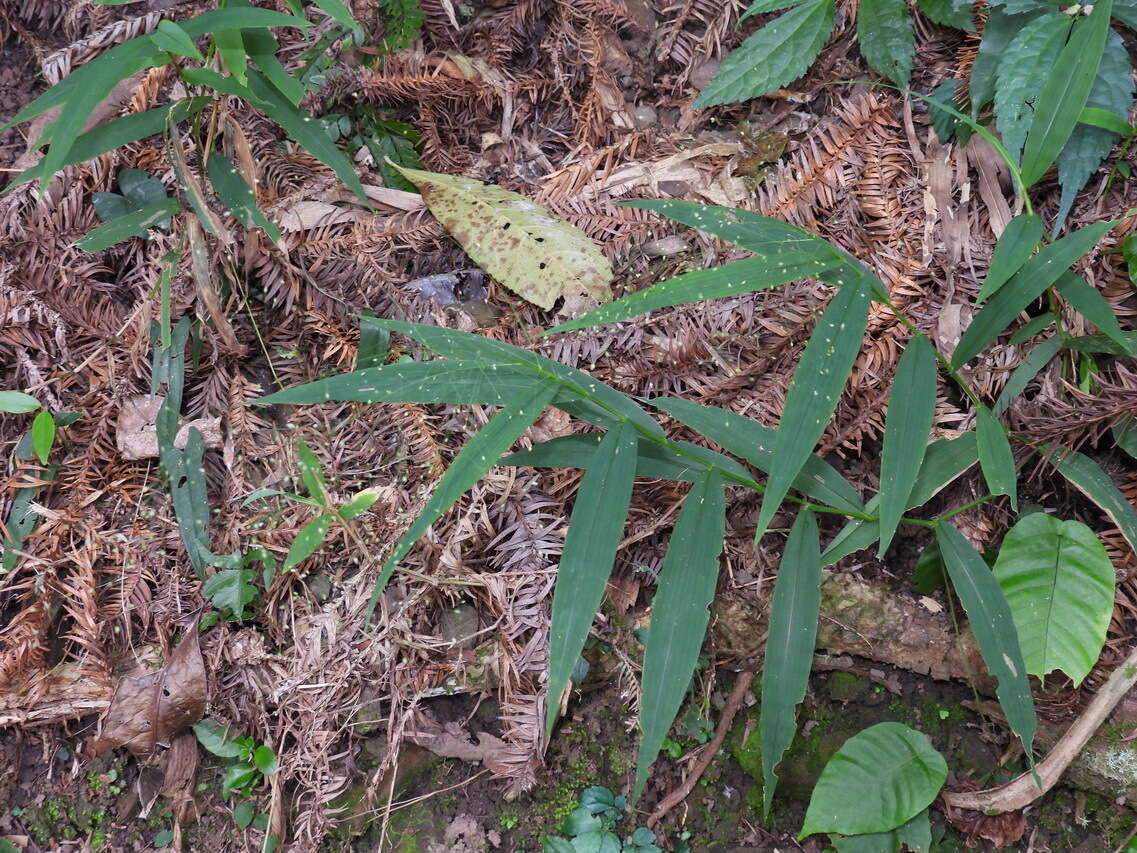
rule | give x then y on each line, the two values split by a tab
179	770
149	707
452	741
137	437
1002	830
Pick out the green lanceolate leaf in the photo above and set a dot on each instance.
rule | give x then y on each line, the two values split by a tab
470	465
879	780
1000	29
772	57
1085	475
732	279
1125	434
125	227
1031	328
311	472
789	646
995	456
1059	584
17	402
310	537
231	49
679	615
1016	245
262	48
911	410
994	629
1065	92
1027	59
340	13
594	533
43	435
884	32
173	39
446	381
949	13
1025	286
1038	358
1089	302
1087	147
755	443
237	196
817	384
914	836
374	344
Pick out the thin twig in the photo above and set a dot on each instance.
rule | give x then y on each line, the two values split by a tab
733	702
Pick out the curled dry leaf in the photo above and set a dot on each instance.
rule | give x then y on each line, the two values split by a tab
518	242
452	741
149	707
1002	830
136	435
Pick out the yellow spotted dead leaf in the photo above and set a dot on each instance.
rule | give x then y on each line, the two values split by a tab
519	243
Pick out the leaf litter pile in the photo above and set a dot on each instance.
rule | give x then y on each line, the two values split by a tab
574	105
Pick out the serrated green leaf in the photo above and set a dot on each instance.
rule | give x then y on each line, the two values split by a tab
470	465
884	32
944	123
755	443
1031	328
777	54
446	381
127	226
1038	358
994	628
995	456
1059	583
519	243
1001	27
1089	302
310	537
907	425
1087	147
1015	247
231	590
1025	286
733	279
914	836
790	640
880	779
1065	92
17	402
43	435
679	615
597	523
818	381
949	13
238	198
1085	475
304	130
173	39
1026	60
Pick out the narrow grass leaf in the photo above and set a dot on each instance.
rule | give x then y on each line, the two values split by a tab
817	384
884	32
1065	92
237	196
1016	245
1059	584
1089	302
788	657
311	471
262	48
308	539
127	226
231	49
879	780
470	465
374	344
777	54
1025	286
340	13
995	456
753	442
1031	328
446	381
1038	358
1085	475
43	435
594	533
1124	433
907	425
173	39
994	628
1101	344
745	276
679	615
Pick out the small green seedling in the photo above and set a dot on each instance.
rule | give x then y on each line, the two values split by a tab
246	765
42	435
591	827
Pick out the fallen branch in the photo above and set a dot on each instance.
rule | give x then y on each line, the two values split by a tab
733	702
1024	790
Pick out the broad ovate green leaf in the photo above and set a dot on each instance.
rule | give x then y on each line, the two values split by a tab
1059	583
915	836
594	532
879	780
679	614
790	639
994	628
884	32
907	424
518	242
777	54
